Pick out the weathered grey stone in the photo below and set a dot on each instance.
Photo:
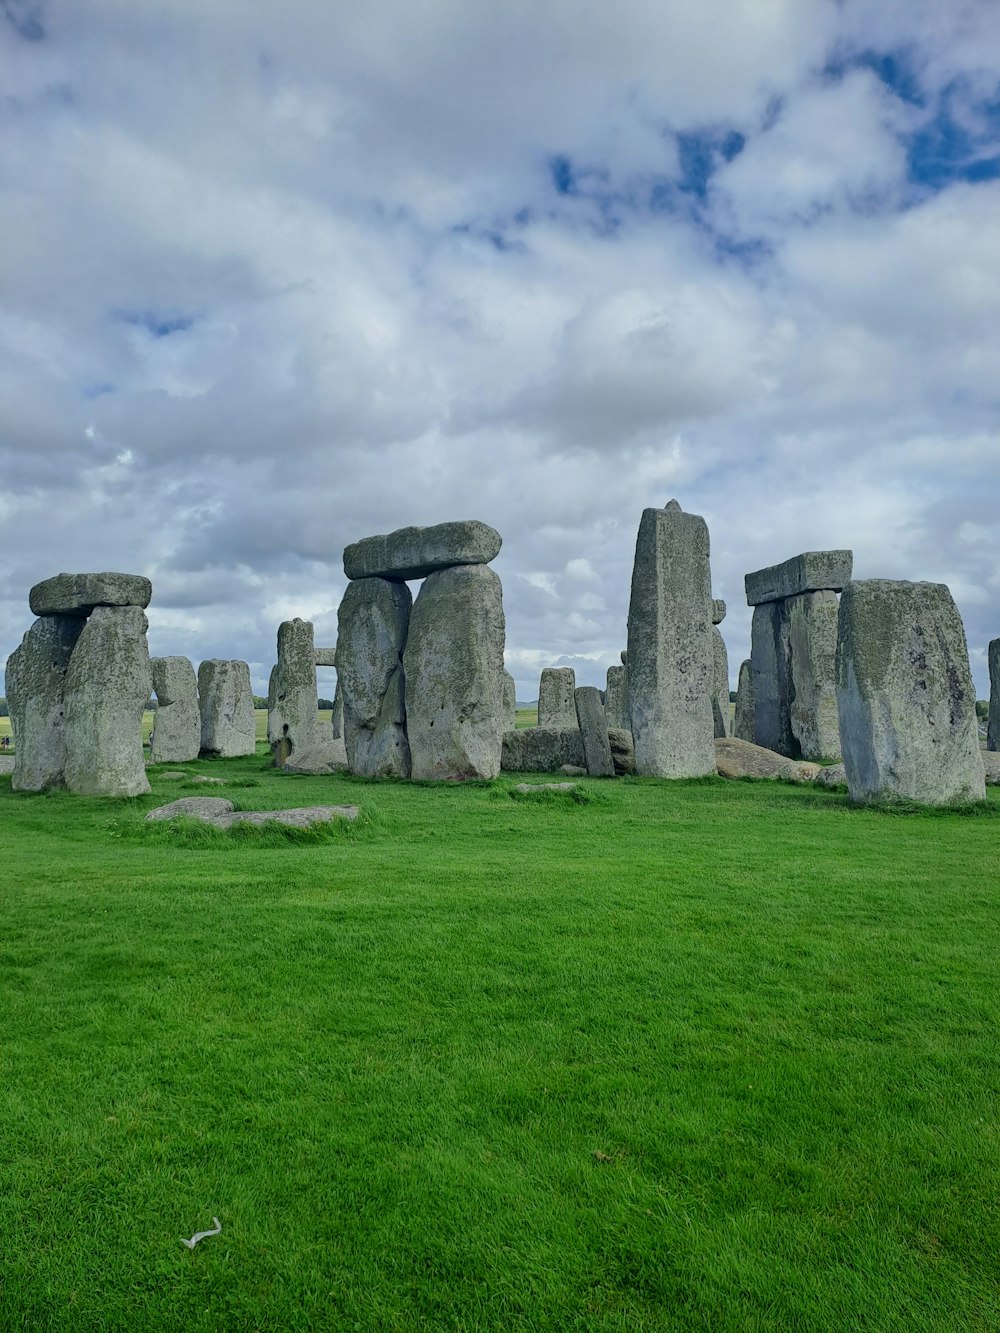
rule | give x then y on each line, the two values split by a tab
329	757
622	751
454	675
35	685
812	571
812	642
373	623
108	685
594	730
337	713
542	750
78	594
220	813
739	759
192	807
298	742
616	697
771	657
572	771
326	657
228	725
905	697
176	736
743	722
670	646
991	762
720	684
718	610
413	553
547	786
833	775
993	717
556	703
509	701
6	764
624	656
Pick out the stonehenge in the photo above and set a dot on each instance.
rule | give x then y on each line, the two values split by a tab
176	736
720	672
670	655
594	731
228	725
744	725
905	698
413	553
793	643
616	698
373	623
556	701
298	743
993	717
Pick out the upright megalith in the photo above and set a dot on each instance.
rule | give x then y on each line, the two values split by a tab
720	685
616	698
108	685
453	664
670	659
744	725
905	697
413	553
793	638
373	626
993	717
293	731
176	734
509	701
228	724
556	701
35	685
594	730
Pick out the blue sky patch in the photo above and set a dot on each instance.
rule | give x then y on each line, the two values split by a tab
161	324
25	17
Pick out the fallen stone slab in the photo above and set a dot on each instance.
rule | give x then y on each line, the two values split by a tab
547	786
542	749
220	813
740	759
413	553
78	594
812	571
834	775
572	771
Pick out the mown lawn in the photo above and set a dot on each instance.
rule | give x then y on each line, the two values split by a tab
705	1055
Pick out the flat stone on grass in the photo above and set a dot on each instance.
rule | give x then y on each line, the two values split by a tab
219	812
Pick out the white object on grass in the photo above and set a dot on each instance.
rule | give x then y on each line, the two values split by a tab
200	1235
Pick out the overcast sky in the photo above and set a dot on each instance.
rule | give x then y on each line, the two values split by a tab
276	276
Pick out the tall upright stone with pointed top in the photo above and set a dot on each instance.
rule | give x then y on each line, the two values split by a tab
556	701
905	697
993	717
373	628
670	656
35	688
108	685
594	731
176	734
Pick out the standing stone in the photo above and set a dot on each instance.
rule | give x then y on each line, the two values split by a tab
454	675
35	686
509	702
743	723
594	730
556	704
771	655
373	623
228	725
616	698
993	718
720	684
293	730
108	685
542	750
176	734
905	697
812	640
337	713
670	646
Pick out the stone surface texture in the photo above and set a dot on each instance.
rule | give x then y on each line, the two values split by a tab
622	751
833	775
812	571
176	736
556	702
373	625
509	701
743	720
293	727
228	726
905	697
526	787
594	730
670	646
542	750
78	594
718	610
337	712
35	685
454	675
215	810
991	762
771	656
739	759
616	697
108	685
993	718
326	657
812	642
413	553
720	684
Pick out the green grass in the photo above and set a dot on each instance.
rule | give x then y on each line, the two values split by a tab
714	1056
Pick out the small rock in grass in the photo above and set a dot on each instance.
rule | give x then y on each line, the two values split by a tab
194	807
219	812
572	771
834	775
547	786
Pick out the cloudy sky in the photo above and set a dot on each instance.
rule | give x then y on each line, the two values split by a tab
277	276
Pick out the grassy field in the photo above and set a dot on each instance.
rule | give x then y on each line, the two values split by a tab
714	1056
